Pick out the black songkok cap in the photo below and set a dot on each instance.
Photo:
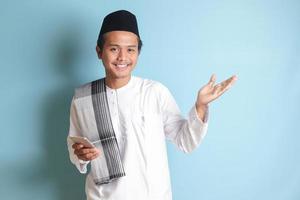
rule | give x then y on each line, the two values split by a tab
121	20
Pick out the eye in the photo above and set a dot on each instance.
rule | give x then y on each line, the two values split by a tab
131	50
113	49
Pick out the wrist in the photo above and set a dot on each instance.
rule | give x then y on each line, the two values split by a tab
201	110
200	106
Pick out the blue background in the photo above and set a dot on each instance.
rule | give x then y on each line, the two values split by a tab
252	147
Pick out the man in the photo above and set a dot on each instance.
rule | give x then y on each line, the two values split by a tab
129	119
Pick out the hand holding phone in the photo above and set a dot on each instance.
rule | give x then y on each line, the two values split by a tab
88	151
82	140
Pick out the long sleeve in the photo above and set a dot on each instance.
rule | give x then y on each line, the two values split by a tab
186	134
75	130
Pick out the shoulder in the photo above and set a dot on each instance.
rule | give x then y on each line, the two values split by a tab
84	90
150	84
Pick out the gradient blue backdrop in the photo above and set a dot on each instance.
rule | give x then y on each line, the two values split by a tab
252	148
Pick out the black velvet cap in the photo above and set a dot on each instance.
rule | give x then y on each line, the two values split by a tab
121	20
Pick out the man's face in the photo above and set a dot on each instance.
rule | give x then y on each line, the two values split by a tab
119	54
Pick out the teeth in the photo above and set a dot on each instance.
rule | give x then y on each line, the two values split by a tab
121	66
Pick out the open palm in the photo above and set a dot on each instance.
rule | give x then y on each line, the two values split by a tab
210	91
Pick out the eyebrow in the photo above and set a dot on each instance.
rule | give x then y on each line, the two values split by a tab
119	45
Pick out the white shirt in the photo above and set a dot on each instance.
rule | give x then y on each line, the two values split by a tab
143	114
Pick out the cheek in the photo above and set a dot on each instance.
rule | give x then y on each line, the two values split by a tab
134	58
108	58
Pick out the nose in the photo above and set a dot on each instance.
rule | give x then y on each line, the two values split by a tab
122	55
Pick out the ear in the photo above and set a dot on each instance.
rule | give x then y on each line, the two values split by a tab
99	52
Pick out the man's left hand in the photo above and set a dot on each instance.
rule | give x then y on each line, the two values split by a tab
210	92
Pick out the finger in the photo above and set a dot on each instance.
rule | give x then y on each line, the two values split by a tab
225	85
226	82
77	146
223	89
89	156
234	79
77	152
220	89
90	151
83	151
230	82
82	158
216	89
212	80
94	156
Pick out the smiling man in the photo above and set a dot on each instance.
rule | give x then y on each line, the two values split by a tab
119	55
128	118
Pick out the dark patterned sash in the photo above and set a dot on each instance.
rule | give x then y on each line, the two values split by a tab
106	133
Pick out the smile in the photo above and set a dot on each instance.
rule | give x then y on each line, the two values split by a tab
121	65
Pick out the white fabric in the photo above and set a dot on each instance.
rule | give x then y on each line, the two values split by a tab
143	113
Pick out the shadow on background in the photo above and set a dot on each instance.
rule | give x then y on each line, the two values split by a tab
57	167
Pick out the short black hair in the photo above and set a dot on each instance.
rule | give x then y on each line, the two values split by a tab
101	41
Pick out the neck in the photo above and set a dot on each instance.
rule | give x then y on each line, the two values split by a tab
115	83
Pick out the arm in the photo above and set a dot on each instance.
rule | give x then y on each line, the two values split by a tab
79	155
187	134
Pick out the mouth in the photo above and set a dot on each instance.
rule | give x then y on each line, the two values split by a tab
121	66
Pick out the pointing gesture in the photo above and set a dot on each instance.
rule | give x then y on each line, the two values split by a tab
210	92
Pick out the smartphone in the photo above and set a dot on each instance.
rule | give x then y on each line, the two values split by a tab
83	140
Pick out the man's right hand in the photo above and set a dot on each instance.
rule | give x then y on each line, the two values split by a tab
85	153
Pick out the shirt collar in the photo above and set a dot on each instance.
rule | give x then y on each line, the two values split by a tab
123	88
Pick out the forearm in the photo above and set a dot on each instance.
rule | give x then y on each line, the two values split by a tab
187	134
